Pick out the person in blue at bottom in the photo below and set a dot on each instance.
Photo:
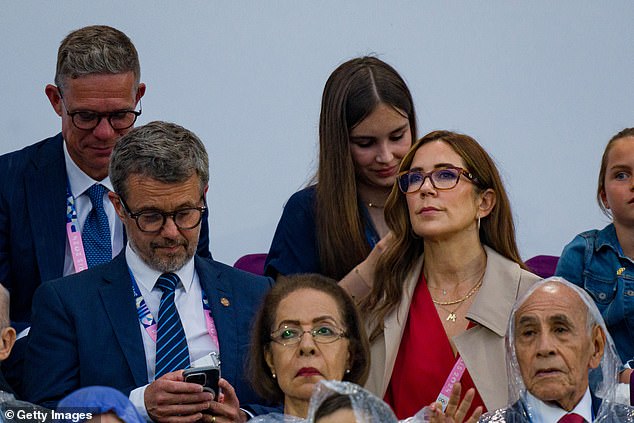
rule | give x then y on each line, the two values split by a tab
98	404
366	126
136	322
600	261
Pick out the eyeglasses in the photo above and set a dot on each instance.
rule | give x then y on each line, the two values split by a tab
322	334
88	120
154	220
411	181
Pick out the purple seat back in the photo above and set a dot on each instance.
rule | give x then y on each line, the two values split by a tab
543	266
253	263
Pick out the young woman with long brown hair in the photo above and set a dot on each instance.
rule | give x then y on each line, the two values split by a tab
366	126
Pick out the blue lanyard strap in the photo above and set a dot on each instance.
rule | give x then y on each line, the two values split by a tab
147	320
71	210
143	312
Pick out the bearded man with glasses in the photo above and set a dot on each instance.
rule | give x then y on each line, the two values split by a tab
157	308
55	216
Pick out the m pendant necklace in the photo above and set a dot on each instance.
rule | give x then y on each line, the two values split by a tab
460	301
452	313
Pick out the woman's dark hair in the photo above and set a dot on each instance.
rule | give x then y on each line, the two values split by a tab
627	132
352	92
258	370
333	403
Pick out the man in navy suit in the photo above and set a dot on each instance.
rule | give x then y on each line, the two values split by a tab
97	95
104	326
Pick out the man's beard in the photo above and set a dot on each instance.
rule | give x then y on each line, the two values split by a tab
166	263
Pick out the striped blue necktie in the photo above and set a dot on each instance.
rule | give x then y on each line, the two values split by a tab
171	342
96	233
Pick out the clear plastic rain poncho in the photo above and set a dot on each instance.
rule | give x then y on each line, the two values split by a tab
367	407
11	409
603	380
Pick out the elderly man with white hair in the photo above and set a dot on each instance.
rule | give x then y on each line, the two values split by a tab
562	362
7	335
9	405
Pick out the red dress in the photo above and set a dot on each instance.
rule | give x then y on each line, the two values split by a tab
424	359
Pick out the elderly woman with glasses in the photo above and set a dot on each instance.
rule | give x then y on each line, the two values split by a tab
442	292
307	330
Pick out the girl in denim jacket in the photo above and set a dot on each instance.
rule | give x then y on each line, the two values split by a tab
600	261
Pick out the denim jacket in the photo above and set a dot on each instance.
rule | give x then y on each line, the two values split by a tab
593	261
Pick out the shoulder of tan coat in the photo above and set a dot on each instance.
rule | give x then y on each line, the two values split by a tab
526	280
482	347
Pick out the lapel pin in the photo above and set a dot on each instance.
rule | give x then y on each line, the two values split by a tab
620	271
224	301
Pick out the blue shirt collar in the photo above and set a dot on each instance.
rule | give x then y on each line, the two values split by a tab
606	238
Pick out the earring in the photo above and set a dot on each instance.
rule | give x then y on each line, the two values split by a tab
274	375
478	223
347	371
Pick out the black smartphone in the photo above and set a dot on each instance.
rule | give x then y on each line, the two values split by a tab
206	376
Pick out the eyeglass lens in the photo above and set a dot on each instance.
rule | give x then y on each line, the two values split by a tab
323	334
440	179
90	120
153	221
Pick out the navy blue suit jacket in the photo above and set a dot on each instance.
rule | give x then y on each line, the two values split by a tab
85	330
33	221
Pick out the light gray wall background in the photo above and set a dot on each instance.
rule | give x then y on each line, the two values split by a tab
542	85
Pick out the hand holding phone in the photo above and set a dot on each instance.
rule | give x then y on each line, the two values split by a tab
206	376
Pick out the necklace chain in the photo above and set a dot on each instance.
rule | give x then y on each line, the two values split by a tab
472	291
444	291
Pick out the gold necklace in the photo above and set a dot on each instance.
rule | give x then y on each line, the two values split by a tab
444	291
472	291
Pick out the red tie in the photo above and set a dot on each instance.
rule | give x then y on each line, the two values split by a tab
571	418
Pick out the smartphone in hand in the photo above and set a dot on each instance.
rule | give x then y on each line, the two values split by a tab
206	376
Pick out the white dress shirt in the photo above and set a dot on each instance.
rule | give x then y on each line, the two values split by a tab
188	300
546	413
79	183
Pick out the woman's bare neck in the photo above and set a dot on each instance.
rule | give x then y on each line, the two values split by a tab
450	263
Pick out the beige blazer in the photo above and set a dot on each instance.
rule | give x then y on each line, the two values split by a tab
482	347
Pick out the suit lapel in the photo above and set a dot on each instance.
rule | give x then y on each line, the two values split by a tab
224	312
118	300
45	186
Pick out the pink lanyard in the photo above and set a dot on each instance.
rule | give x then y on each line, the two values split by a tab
454	376
74	236
149	324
